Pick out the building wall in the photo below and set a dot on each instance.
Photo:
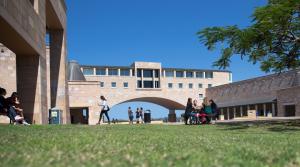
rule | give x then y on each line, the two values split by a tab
23	30
8	70
87	93
258	93
289	96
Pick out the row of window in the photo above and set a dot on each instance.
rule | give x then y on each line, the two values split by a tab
190	85
149	73
189	74
114	84
147	84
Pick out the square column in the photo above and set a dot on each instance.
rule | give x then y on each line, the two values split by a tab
32	87
58	74
172	115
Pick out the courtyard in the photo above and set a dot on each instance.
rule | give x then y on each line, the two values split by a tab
151	145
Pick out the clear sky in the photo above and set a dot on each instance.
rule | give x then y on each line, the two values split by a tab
119	32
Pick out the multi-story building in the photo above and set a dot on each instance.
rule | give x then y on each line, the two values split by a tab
38	75
142	81
276	95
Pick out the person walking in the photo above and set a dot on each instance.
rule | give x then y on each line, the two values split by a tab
188	110
141	115
104	109
130	115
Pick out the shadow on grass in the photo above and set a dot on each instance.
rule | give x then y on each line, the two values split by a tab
274	126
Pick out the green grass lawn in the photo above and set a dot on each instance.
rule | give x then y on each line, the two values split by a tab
150	145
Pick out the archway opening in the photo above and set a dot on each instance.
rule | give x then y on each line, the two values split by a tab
161	109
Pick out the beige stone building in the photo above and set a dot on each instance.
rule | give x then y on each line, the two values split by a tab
40	78
276	95
142	81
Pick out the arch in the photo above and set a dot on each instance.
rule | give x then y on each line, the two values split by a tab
167	103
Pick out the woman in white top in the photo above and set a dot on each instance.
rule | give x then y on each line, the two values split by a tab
104	109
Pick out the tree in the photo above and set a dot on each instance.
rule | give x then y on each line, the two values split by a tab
273	39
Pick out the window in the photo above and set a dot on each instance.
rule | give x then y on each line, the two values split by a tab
148	84
209	85
170	85
147	73
125	72
180	85
169	73
200	85
139	73
201	96
190	74
190	85
209	75
113	72
156	72
113	84
125	84
88	71
179	74
139	84
199	75
100	71
101	84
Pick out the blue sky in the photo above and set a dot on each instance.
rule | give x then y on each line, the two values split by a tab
119	32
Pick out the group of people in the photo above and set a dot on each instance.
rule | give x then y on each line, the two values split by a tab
200	114
11	106
139	115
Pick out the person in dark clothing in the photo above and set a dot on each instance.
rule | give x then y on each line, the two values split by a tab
214	109
12	104
137	115
3	108
104	109
188	110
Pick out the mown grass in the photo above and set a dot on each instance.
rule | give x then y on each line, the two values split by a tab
150	145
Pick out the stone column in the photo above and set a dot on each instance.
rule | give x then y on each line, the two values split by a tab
153	78
119	72
32	87
164	73
241	110
142	77
106	71
95	73
234	112
184	74
265	110
130	72
228	115
172	115
273	109
58	74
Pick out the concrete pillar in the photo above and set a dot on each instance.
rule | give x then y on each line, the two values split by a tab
119	72
265	109
106	71
164	73
241	110
204	74
184	74
273	109
228	115
130	72
153	78
234	112
32	87
94	71
58	74
174	74
142	77
172	115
